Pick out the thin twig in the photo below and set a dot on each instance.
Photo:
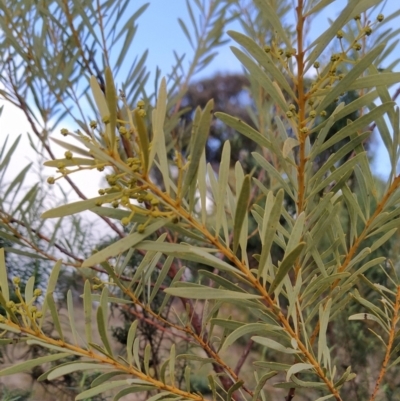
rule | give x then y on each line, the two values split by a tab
392	334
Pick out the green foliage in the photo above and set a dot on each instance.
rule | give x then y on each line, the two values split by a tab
288	249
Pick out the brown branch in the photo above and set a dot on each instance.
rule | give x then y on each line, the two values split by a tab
243	357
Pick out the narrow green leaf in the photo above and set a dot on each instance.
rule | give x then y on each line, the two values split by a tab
29	288
358	124
4	276
375	80
267	342
158	143
51	286
297	232
107	386
272	365
222	184
261	77
54	315
264	59
233	388
87	308
160	279
371	317
202	292
130	339
102	328
74	149
340	172
73	367
271	223
241	211
11	329
188	252
77	207
250	328
99	98
378	243
271	170
245	129
71	317
111	98
324	314
124	244
132	389
27	365
287	263
261	384
296	368
146	359
342	152
198	144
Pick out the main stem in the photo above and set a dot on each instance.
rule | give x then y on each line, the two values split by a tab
301	107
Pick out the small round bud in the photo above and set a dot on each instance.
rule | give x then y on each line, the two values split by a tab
357	17
340	34
106	119
125	221
380	17
292	107
39	314
64	131
142	113
60	165
310	102
33	309
51	180
115	204
98	203
267	49
111	179
304	130
323	113
122	130
101	191
100	168
316	64
289	114
37	292
334	57
368	30
10	304
141	228
280	51
16	280
68	155
290	53
93	124
312	113
357	46
141	104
